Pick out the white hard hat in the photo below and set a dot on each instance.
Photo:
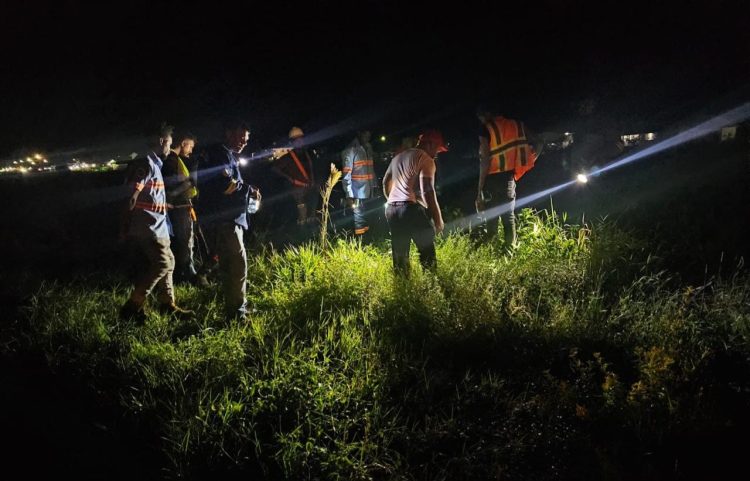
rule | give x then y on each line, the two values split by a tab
295	132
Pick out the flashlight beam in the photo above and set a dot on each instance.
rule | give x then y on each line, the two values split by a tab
728	118
731	117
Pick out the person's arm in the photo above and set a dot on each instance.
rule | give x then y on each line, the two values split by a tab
484	167
136	181
536	141
427	188
281	172
347	164
172	183
218	182
181	188
310	169
387	185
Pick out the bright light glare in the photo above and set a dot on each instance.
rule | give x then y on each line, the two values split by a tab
382	138
582	178
736	115
243	161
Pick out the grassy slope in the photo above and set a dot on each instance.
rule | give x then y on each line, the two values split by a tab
575	358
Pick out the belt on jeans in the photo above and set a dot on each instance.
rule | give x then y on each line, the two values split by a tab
401	202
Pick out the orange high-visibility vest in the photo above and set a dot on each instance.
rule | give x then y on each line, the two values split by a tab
509	148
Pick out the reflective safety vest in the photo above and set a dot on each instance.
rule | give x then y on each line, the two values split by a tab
302	170
148	200
185	174
151	196
358	171
510	150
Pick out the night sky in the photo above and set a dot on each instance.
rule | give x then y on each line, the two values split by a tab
75	74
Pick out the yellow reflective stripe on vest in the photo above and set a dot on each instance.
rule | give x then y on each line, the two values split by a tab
182	168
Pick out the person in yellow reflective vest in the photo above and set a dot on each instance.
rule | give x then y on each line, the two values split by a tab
179	180
505	155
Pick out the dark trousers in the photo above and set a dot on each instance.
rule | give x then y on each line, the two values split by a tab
306	200
156	263
226	243
502	190
360	217
409	221
182	242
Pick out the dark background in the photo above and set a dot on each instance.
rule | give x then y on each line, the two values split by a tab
77	74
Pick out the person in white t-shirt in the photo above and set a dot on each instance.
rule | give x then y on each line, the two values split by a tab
413	212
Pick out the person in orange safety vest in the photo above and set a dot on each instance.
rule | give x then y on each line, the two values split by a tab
505	155
297	167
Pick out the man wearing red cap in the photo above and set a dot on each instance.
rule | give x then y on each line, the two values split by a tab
409	185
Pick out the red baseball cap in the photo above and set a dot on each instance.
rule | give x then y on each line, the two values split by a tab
435	136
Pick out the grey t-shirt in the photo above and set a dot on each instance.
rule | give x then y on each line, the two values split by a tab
412	175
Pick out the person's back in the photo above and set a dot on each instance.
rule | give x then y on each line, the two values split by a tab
413	212
408	171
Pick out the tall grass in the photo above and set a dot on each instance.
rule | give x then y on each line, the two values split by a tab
570	358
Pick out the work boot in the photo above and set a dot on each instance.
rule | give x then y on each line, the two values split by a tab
171	308
130	312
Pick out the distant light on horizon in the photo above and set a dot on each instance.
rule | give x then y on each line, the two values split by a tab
712	125
382	138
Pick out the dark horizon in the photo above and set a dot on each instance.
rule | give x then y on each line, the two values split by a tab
78	75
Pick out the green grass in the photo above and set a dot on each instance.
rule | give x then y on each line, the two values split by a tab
570	359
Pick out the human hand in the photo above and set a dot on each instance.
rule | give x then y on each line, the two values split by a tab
479	205
439	226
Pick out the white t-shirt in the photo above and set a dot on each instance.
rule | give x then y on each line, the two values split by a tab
412	176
